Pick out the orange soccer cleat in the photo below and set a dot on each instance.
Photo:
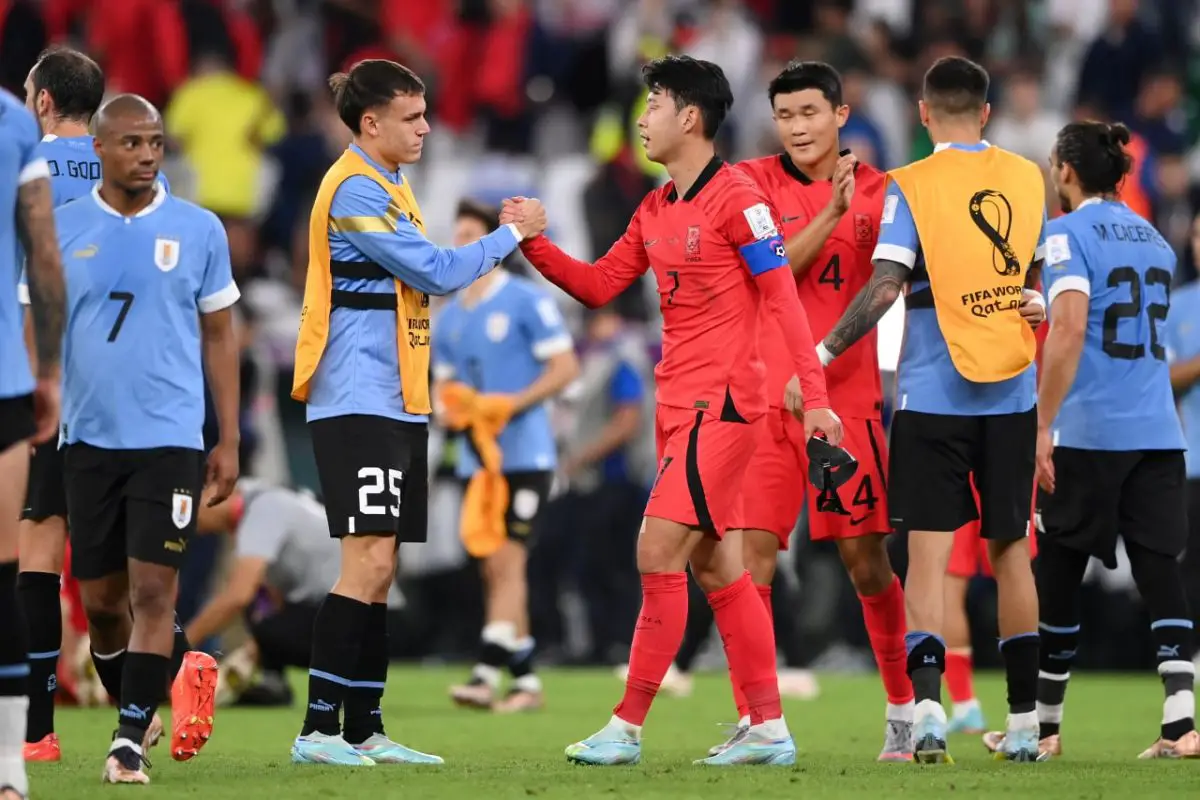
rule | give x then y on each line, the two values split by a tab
45	749
193	695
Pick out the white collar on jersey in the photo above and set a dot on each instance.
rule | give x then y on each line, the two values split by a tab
1091	201
160	196
49	137
940	146
491	291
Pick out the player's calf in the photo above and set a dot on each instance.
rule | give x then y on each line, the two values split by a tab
1019	642
41	565
1160	582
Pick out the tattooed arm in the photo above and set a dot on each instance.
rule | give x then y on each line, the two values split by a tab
868	306
47	291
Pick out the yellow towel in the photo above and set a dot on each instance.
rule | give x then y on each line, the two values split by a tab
485	503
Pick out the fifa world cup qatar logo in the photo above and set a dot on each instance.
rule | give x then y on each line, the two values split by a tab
992	214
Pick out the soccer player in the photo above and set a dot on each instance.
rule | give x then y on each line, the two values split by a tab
28	406
713	242
1182	336
149	292
831	206
502	340
1109	444
362	368
63	90
963	228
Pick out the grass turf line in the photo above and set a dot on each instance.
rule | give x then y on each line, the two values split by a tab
1109	721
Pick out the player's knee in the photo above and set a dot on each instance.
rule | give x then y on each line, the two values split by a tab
760	554
153	597
41	546
368	566
660	553
506	566
105	622
1009	557
868	565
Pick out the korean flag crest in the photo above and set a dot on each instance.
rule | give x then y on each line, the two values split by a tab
166	254
181	509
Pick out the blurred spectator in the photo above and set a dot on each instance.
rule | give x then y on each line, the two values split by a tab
22	38
225	149
860	133
609	466
1160	117
1115	64
1021	123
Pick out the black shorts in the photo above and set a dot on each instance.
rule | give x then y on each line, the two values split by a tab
1194	514
16	420
374	474
934	458
46	496
1140	495
527	496
124	504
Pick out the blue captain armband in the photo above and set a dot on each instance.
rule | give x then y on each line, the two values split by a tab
764	255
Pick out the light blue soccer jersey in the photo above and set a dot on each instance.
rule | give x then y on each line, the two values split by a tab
74	170
19	164
499	346
136	287
926	379
359	372
1121	398
1182	335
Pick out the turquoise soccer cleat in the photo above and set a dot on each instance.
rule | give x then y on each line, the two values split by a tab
608	747
752	749
1021	746
970	722
383	750
320	748
929	741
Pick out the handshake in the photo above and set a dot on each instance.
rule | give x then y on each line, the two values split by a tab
526	213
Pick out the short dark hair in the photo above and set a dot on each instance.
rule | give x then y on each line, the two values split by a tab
1096	151
692	82
955	85
473	209
74	81
800	75
370	84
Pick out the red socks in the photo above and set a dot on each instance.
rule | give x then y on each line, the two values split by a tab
739	697
656	640
958	675
749	639
883	614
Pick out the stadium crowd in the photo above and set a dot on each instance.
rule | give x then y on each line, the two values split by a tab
538	98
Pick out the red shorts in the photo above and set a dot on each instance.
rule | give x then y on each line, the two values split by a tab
701	462
777	482
70	592
970	556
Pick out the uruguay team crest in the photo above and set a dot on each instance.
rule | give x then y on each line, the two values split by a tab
166	254
181	509
497	326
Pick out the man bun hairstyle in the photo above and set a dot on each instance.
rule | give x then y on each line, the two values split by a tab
692	82
1097	152
371	84
955	86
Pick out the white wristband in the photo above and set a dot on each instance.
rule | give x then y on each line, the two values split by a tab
1034	297
516	232
824	354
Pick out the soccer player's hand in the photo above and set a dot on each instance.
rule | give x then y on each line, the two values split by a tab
527	213
824	421
222	471
843	184
1045	460
1032	308
46	408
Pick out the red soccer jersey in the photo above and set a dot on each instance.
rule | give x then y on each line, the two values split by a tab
711	252
841	269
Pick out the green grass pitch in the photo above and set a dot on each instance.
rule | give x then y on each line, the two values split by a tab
1109	721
